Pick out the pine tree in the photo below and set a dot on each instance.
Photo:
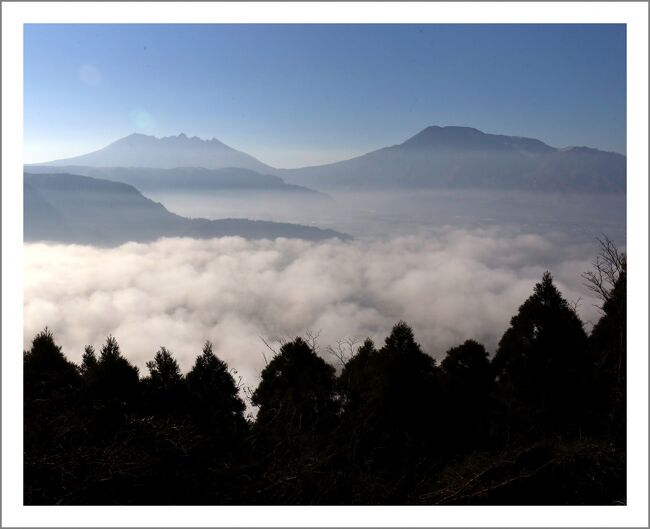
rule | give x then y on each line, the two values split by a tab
115	385
88	360
164	372
389	400
47	373
164	386
215	401
467	385
51	385
542	361
297	392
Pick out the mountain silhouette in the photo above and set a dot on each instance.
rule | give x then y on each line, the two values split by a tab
80	209
141	150
466	158
182	178
437	157
468	138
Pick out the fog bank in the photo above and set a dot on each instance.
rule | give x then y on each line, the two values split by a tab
178	293
381	214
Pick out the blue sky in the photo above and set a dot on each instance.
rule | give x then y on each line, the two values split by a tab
296	95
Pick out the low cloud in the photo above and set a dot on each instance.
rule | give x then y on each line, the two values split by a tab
178	293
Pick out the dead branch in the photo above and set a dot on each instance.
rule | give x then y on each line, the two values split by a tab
275	353
311	338
343	351
607	268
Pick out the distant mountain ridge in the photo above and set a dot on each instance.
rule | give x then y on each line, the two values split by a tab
80	209
466	158
437	157
470	138
181	178
141	150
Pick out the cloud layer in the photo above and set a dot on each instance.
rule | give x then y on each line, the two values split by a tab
180	292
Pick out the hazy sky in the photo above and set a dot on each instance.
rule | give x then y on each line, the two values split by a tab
295	95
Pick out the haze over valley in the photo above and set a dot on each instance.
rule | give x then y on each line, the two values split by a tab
81	209
324	264
428	220
442	175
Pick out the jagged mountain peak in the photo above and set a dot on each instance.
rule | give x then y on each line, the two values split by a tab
179	139
167	152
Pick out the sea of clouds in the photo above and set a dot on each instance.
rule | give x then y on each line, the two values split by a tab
177	293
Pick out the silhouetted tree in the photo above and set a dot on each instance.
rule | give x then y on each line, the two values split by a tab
51	386
215	401
356	381
389	401
113	384
608	266
411	383
608	342
468	383
469	365
163	387
88	360
542	362
164	373
296	392
394	428
47	373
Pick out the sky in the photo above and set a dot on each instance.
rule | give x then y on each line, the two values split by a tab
304	94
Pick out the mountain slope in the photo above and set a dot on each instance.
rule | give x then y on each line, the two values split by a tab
140	150
180	178
80	209
464	158
41	219
435	158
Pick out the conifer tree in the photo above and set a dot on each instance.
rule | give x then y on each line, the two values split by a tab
542	361
215	401
47	372
88	360
389	399
116	383
467	386
164	385
297	392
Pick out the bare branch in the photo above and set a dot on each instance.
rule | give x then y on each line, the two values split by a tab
311	338
239	379
275	353
344	350
608	266
575	304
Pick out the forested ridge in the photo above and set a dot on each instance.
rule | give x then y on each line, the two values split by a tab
540	421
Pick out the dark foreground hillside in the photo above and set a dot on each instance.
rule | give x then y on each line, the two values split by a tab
540	422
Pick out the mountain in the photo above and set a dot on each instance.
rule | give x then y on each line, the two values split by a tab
464	158
181	178
140	150
80	209
467	138
435	158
